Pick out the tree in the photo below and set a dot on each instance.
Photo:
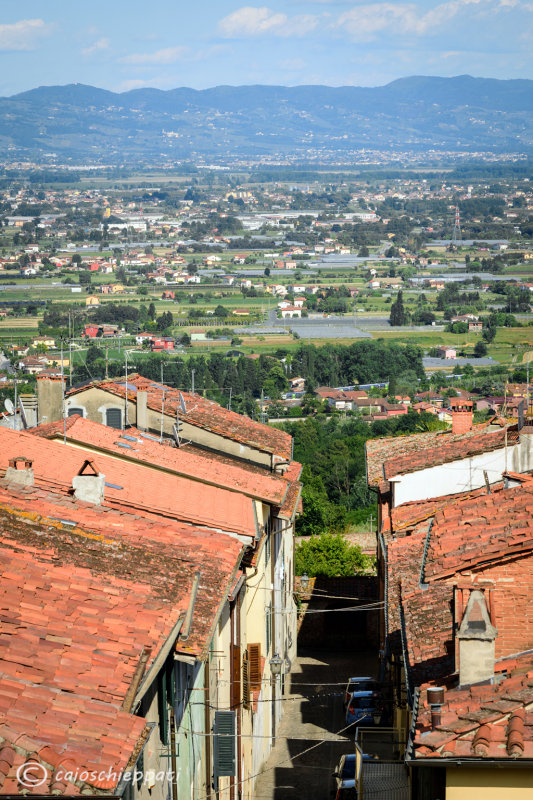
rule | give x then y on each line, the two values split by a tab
489	333
329	555
398	315
458	327
151	311
164	321
93	353
480	349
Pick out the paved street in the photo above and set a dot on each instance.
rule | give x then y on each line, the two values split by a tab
318	715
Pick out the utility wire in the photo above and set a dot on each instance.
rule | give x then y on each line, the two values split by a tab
285	761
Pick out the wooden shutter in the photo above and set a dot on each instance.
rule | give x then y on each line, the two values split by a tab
254	659
224	745
245	680
235	675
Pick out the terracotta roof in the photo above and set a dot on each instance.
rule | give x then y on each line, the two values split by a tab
81	594
132	444
481	722
398	455
202	413
479	531
131	485
439	539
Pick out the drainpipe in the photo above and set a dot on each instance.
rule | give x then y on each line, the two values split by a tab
173	755
187	622
207	725
273	631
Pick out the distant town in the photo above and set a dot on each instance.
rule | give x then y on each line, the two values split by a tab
266	481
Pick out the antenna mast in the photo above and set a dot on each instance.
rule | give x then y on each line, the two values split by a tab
456	235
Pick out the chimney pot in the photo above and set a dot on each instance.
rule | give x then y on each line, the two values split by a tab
435	695
20	471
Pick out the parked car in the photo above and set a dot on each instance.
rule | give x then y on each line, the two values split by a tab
345	778
359	684
365	708
344	775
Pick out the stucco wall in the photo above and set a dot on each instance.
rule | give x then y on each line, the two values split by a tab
464	475
94	402
489	784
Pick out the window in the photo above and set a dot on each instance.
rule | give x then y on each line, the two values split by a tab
113	418
224	745
254	661
74	410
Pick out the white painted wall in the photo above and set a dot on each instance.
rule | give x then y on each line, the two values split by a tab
463	475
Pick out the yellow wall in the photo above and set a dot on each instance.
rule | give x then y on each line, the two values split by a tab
489	784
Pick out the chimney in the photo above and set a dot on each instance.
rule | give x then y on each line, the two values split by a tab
89	484
462	414
435	698
20	471
142	410
50	392
477	638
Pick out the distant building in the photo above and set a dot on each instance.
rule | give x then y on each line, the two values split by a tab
446	352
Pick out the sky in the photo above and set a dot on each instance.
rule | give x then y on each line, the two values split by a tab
126	44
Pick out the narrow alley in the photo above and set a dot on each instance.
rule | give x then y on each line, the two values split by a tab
310	738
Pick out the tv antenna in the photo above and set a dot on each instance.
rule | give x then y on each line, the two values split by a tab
456	235
177	426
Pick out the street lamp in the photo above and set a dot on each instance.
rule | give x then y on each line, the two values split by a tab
304	582
275	665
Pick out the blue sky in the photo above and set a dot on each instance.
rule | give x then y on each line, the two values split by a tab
120	45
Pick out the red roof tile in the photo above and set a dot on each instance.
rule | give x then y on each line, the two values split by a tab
79	599
397	455
131	485
436	540
220	471
202	413
476	725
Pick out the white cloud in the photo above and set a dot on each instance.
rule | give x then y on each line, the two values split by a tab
365	21
97	47
23	35
252	21
168	55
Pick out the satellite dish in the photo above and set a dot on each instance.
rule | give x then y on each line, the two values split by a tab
182	404
8	405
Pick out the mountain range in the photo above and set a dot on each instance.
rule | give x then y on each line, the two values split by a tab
304	123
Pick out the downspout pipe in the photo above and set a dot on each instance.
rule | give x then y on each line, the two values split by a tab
187	622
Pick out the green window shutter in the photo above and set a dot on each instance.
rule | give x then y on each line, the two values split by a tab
162	706
224	745
171	683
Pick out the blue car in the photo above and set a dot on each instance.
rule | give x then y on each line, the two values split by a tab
362	683
365	708
345	777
